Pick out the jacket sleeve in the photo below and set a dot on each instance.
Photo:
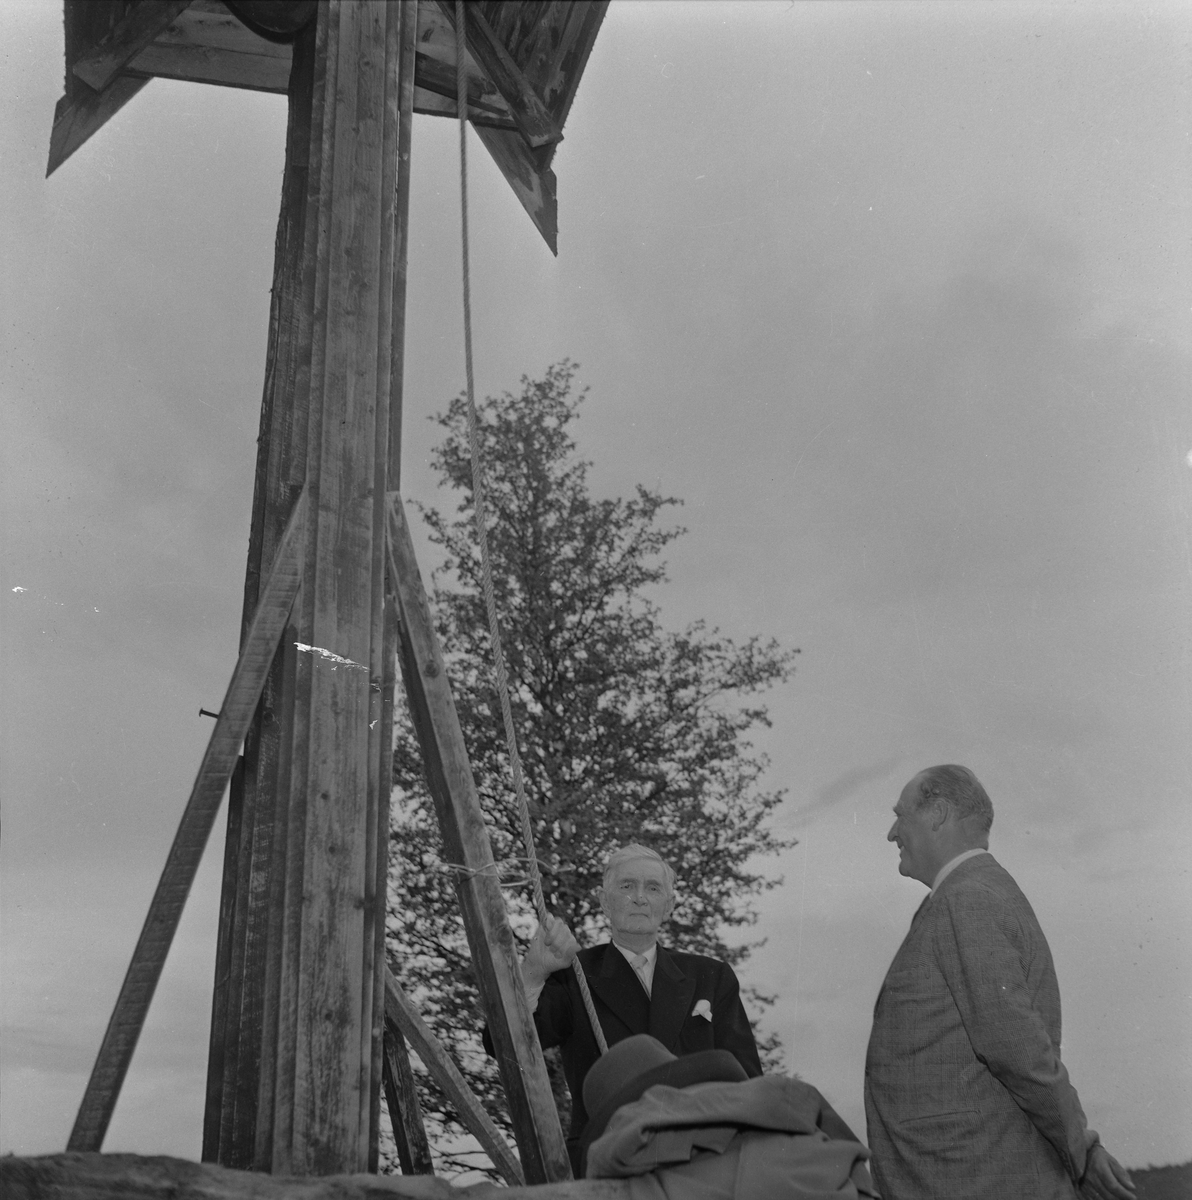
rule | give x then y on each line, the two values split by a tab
982	951
730	1026
553	1018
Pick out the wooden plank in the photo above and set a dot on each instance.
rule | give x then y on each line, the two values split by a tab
138	27
124	1176
435	64
197	64
282	869
224	943
405	1113
280	472
432	104
401	1010
394	1067
534	121
165	910
550	43
320	1086
207	44
432	74
465	836
81	113
533	183
568	57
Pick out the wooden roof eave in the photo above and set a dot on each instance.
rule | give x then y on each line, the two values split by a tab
523	67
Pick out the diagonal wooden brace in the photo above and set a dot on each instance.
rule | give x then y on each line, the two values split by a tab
532	117
136	30
182	863
466	841
401	1010
405	1113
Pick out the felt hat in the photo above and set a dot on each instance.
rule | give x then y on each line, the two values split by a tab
637	1063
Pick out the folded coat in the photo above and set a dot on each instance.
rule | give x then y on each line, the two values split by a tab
757	1140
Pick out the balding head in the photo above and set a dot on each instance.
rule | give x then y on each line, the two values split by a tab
960	789
941	813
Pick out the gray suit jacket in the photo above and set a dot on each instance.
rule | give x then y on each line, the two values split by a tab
965	1094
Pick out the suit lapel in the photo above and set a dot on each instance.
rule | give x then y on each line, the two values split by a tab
616	984
671	994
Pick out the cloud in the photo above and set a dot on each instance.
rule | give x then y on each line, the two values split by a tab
841	788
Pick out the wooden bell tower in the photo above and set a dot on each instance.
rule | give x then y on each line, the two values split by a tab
308	1027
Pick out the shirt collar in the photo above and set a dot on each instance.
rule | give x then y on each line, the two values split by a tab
630	955
952	864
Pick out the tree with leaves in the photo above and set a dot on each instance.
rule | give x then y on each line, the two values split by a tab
627	732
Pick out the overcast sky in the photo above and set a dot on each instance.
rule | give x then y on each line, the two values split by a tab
896	296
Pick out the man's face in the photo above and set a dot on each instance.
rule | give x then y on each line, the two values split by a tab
914	837
636	899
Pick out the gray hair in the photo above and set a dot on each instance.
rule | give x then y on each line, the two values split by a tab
632	851
959	788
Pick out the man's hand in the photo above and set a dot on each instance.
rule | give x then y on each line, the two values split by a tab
551	949
1105	1178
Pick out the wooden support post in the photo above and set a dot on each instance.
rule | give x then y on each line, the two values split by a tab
320	1071
300	1077
465	835
405	1113
397	1077
403	1013
237	1030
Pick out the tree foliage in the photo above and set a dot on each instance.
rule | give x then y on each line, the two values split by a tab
627	732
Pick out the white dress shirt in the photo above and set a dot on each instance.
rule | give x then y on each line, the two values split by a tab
646	971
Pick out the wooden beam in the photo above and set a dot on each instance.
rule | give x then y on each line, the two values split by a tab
405	1113
320	1071
238	1033
466	841
435	104
137	28
401	1010
551	44
123	1176
533	119
82	112
165	910
396	1075
224	944
207	44
532	181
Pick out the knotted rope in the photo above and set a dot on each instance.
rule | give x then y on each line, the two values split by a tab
486	573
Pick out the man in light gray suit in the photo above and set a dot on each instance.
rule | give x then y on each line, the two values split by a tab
965	1094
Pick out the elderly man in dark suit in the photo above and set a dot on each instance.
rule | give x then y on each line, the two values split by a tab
965	1094
689	1002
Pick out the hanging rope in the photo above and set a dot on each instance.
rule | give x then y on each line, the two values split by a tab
486	573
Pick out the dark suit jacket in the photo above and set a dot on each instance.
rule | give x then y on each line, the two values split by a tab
680	982
965	1094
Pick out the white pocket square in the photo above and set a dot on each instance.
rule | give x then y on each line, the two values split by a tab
703	1008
